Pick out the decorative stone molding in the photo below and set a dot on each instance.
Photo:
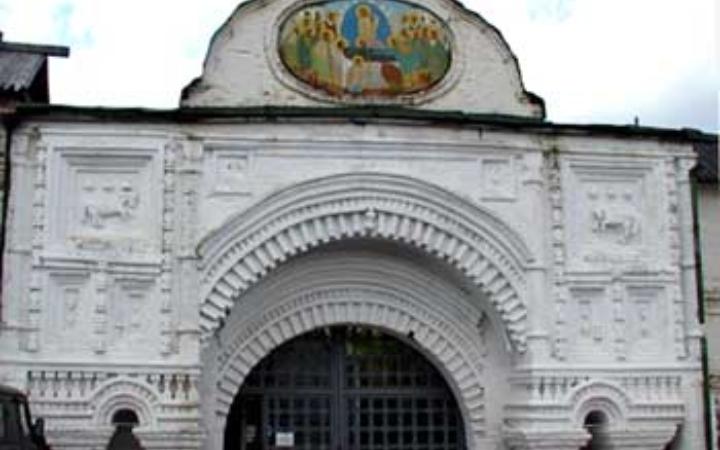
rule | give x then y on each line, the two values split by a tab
552	171
79	385
374	308
123	393
611	215
651	404
320	291
377	206
641	438
78	405
95	207
97	438
603	396
560	439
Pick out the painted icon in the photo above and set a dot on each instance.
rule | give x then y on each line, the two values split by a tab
366	48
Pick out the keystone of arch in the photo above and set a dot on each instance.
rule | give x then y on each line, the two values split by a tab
450	346
380	206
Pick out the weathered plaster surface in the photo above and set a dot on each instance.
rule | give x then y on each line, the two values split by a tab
127	244
243	68
151	265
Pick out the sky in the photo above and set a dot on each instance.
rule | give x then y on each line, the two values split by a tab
593	61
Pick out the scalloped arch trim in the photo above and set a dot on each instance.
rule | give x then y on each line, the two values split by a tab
450	347
306	216
124	393
601	395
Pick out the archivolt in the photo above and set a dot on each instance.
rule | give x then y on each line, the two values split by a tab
310	214
245	343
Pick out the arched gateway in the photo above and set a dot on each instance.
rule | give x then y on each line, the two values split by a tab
355	250
348	176
369	283
345	387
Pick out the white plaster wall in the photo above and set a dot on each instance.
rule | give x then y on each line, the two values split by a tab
709	218
101	286
242	67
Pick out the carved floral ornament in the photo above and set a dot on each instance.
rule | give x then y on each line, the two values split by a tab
365	48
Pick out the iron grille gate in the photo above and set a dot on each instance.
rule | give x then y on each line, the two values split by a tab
345	389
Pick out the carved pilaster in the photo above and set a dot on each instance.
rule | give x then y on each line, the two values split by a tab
187	174
553	177
168	322
37	149
100	330
619	318
686	260
188	160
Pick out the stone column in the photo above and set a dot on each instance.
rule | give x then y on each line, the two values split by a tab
570	439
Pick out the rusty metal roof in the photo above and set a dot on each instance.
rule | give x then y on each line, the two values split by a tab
19	69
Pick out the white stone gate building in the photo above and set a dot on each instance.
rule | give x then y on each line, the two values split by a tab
154	259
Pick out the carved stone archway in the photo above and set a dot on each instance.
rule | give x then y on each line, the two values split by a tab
323	291
308	215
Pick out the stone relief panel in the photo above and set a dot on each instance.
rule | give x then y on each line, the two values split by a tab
612	216
105	202
110	205
237	173
648	322
134	316
591	323
499	180
69	311
231	170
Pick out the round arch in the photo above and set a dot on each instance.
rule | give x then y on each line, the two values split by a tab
319	291
123	393
603	396
308	215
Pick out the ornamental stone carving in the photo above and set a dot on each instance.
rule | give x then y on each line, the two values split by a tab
352	287
610	215
310	215
97	206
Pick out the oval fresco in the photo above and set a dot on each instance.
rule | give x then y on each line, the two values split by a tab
365	48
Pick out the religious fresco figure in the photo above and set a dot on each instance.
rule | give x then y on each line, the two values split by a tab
366	47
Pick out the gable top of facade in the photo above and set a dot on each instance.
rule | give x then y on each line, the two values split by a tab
426	54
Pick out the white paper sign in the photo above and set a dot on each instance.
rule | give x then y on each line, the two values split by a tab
285	439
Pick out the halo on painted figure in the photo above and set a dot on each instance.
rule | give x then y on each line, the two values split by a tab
366	48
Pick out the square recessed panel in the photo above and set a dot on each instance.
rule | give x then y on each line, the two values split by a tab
105	200
498	179
612	216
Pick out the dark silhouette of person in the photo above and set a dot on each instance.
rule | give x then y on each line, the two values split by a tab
124	439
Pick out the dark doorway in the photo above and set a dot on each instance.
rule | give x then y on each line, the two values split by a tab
596	423
123	438
345	389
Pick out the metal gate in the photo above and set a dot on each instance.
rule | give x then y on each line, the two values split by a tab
345	389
